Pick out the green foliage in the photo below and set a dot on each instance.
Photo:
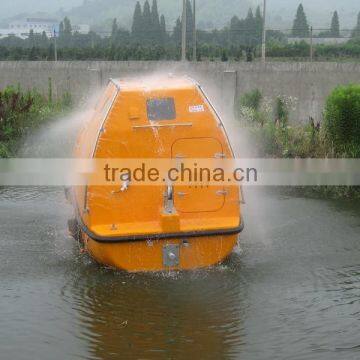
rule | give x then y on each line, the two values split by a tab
273	139
350	50
258	24
50	90
67	27
147	27
356	31
67	102
342	120
281	111
338	137
249	108
114	29
136	29
335	25
177	31
189	23
149	40
155	24
163	34
65	33
252	99
250	26
303	141
176	35
334	31
124	48
21	112
300	26
298	50
146	22
61	29
224	56
248	31
4	150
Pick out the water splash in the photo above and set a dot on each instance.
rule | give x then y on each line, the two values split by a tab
57	137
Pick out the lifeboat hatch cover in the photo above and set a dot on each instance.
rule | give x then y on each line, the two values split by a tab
197	198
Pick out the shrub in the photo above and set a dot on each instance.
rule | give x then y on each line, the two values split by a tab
4	151
281	111
21	112
342	120
251	99
249	108
14	108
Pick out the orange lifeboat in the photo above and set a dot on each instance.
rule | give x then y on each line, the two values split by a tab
161	226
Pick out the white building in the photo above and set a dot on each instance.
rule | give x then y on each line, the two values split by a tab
21	28
81	28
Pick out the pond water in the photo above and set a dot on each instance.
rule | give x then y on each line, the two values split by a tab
291	291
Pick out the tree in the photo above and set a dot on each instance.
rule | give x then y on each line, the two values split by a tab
61	29
31	39
67	26
32	54
300	26
250	26
342	123
258	24
155	23
65	32
177	32
163	33
44	40
114	29
335	25
189	23
50	52
356	31
136	29
147	22
224	56
235	27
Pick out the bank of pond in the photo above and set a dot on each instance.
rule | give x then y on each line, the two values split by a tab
266	122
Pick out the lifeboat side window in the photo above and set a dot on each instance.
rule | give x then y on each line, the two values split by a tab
161	109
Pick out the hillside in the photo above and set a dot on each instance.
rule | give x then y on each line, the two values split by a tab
11	8
211	13
282	12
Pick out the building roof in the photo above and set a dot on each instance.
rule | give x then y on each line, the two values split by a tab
41	20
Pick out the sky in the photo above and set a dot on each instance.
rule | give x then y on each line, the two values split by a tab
281	12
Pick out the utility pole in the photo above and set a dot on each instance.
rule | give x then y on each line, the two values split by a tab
194	31
311	45
263	47
55	46
183	40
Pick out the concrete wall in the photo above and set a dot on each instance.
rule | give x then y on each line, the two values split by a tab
309	83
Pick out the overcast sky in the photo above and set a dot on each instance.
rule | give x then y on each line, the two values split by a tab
318	11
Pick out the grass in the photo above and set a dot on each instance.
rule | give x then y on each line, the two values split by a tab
273	137
22	112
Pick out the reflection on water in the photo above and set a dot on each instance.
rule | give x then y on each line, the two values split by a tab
175	316
292	292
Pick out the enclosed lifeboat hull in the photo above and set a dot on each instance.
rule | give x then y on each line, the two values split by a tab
156	227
